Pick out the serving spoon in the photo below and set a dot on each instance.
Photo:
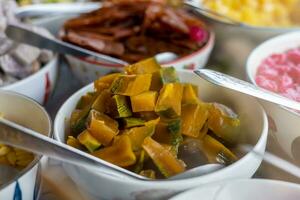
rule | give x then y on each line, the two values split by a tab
232	83
21	137
26	36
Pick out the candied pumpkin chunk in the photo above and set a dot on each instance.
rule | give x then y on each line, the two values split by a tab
102	127
190	94
169	100
130	85
224	122
104	82
216	152
143	102
87	140
138	134
193	118
168	75
163	76
119	107
84	101
78	120
73	142
147	66
120	153
101	102
149	173
165	161
130	122
168	131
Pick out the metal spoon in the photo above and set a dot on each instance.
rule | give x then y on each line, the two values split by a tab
21	137
230	82
24	35
38	10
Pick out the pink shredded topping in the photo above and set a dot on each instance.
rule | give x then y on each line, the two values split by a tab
280	73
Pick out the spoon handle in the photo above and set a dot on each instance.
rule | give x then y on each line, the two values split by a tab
24	35
21	137
38	10
245	87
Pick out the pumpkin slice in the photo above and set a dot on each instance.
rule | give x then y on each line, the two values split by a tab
224	122
120	153
104	82
78	120
168	131
147	66
165	161
79	117
193	118
169	100
119	107
85	100
73	142
168	75
102	127
101	102
149	173
143	102
216	152
130	122
130	85
163	76
140	164
190	94
138	134
87	140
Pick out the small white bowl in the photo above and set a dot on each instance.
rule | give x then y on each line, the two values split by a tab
106	186
249	189
39	85
88	70
284	123
29	113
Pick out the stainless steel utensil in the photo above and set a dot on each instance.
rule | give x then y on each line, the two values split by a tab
21	137
24	35
230	82
40	10
273	160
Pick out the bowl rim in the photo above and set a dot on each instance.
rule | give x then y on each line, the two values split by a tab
223	184
45	68
269	43
49	134
260	141
210	43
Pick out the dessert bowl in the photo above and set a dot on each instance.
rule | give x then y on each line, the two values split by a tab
284	122
107	186
23	184
260	189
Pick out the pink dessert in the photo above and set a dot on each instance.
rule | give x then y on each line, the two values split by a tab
280	73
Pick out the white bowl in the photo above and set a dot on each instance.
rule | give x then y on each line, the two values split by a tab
258	189
105	185
39	85
87	70
27	112
285	124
